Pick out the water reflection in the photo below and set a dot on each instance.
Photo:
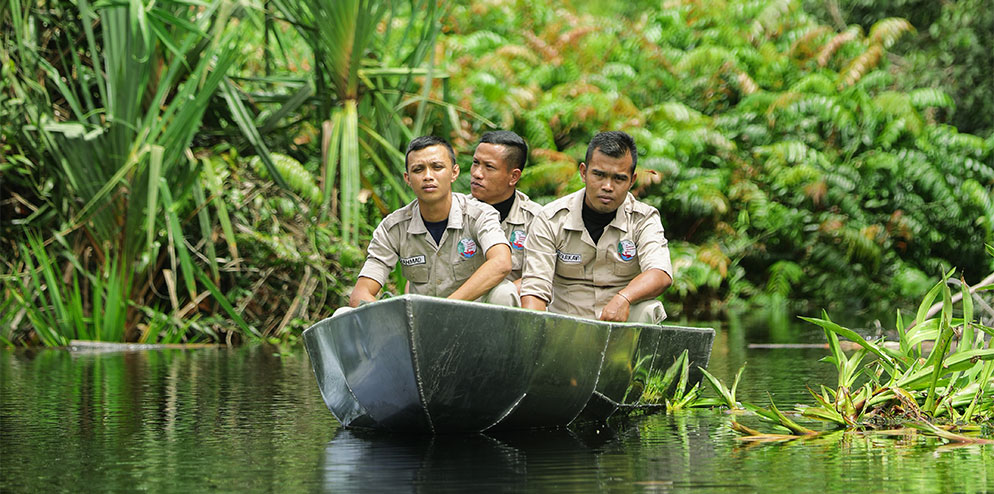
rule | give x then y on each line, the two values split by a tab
368	461
245	420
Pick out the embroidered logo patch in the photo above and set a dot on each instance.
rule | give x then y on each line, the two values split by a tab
467	248
569	258
626	250
413	261
518	239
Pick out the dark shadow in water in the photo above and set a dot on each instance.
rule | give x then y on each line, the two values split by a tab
368	461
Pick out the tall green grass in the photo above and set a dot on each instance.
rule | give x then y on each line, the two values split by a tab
114	94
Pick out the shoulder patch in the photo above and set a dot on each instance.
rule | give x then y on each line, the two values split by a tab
467	248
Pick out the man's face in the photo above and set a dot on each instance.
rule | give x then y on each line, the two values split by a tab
430	172
607	181
493	178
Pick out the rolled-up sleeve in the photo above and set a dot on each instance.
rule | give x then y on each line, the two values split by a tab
540	259
487	229
381	256
653	248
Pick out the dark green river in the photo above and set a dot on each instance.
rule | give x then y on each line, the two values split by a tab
246	420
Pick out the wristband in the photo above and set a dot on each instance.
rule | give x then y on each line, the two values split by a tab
626	298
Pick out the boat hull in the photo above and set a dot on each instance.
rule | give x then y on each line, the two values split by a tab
430	365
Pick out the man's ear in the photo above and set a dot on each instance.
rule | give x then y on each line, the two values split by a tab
407	180
583	172
455	171
515	176
634	176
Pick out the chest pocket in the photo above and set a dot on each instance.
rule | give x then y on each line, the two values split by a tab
570	265
626	269
464	268
417	273
625	260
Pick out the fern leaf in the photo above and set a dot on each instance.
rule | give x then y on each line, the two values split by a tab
518	51
981	197
947	136
785	151
814	83
782	276
713	256
539	134
892	131
878	79
480	42
705	60
802	47
833	45
927	97
770	19
860	66
746	84
887	31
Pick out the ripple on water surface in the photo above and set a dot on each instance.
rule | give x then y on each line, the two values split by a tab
245	420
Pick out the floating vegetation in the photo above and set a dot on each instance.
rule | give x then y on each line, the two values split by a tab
947	391
937	379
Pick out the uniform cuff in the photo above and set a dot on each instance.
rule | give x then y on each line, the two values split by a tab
537	288
375	271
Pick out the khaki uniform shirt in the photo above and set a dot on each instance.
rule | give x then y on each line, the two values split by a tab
431	269
566	269
515	227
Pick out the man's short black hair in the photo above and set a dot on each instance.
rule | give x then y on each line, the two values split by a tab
419	143
517	149
615	144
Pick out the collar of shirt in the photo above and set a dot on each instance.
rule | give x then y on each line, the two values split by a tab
517	214
417	225
574	218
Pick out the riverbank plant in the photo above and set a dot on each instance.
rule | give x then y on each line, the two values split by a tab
937	377
109	98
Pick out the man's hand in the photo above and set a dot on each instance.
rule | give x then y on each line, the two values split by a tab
617	309
365	291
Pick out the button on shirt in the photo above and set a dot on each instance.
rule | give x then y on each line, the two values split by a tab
564	266
431	269
515	228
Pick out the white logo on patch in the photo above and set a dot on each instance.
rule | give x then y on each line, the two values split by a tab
569	258
413	261
626	250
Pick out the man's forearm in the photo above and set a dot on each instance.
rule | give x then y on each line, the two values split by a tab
486	277
647	285
533	302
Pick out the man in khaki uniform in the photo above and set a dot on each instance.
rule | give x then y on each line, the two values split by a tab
499	159
598	252
447	244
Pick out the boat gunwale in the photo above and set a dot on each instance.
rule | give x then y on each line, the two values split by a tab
408	298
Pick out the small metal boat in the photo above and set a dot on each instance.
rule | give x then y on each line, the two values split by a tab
431	365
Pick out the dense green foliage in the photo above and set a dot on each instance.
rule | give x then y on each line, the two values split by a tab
952	49
784	159
172	173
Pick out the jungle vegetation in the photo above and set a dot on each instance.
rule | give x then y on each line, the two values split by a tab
186	171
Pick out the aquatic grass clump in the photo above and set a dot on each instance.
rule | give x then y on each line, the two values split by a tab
937	378
669	388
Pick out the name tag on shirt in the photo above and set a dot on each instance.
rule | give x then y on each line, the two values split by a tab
413	261
569	258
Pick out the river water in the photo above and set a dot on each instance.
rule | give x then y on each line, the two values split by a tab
248	420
